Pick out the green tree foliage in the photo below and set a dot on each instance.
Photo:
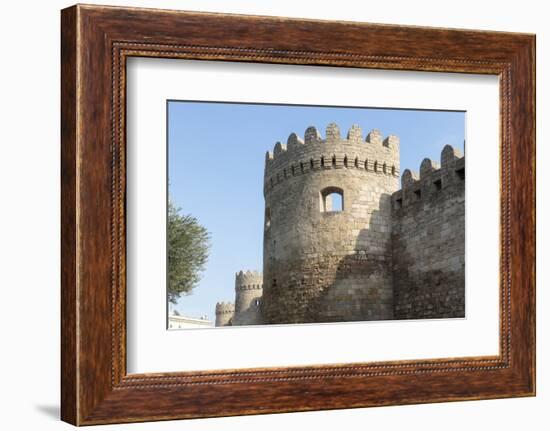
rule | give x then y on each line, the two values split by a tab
188	245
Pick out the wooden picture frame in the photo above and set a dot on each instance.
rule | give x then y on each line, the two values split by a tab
95	43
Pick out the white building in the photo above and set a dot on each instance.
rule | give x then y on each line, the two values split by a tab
182	322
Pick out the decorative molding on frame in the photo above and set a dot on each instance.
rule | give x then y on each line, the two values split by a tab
121	51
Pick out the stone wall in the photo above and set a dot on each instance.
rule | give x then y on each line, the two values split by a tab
428	240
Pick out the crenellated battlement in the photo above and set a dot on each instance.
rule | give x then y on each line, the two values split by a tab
434	179
248	280
225	308
372	154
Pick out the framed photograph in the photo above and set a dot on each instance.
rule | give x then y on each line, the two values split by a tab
322	214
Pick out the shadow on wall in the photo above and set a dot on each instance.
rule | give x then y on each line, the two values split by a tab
437	292
250	315
385	279
362	288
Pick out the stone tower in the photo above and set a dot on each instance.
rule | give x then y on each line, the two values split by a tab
248	293
224	313
327	234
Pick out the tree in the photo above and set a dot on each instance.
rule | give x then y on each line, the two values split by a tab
188	245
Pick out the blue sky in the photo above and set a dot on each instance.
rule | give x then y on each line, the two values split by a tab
215	170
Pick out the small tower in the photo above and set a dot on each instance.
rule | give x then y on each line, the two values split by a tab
224	313
248	294
327	232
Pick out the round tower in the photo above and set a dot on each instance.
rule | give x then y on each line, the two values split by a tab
224	313
248	294
327	234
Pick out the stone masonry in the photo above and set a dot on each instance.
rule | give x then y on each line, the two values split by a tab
383	253
248	294
428	239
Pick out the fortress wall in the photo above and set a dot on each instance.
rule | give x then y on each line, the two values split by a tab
428	240
389	254
324	266
298	157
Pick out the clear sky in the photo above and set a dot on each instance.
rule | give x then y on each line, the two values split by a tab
216	162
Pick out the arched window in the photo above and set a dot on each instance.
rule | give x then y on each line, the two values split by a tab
375	166
334	161
332	199
356	163
346	161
